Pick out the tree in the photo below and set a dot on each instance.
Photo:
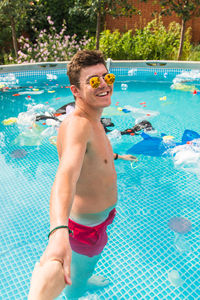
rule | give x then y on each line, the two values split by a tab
10	12
100	8
77	23
185	9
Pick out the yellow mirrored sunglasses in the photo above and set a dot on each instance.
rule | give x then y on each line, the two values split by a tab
95	80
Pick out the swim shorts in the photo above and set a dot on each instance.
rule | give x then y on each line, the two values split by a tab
90	240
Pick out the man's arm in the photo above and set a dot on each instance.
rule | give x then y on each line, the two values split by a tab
72	143
125	157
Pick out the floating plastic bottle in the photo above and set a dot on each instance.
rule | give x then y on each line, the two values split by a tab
48	132
181	244
124	86
114	135
175	278
69	109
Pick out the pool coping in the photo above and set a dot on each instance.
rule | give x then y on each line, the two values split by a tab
160	64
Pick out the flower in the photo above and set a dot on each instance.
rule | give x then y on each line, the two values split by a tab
49	45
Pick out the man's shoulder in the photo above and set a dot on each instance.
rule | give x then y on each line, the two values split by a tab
76	126
76	121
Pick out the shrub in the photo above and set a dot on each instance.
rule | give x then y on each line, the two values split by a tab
48	46
195	53
152	42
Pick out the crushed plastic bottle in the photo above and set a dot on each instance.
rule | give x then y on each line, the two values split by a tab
175	278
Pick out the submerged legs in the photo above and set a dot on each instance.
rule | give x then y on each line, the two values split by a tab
82	268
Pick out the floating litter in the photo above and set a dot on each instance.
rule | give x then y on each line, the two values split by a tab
19	153
181	244
69	109
51	91
9	121
196	92
183	87
187	76
163	98
9	79
167	138
132	72
51	76
111	111
34	92
53	140
175	278
29	138
133	166
180	225
114	135
125	110
187	157
140	114
48	131
124	86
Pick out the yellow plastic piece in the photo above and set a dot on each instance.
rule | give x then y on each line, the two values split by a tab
167	138
184	87
119	108
163	98
9	121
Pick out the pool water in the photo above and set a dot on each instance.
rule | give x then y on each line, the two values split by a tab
146	257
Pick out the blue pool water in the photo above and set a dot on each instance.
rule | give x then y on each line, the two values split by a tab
143	250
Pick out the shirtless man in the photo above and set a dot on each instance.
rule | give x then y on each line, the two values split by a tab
84	193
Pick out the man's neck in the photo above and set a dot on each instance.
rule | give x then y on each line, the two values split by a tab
90	112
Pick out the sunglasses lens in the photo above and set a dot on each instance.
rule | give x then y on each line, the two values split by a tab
109	78
95	82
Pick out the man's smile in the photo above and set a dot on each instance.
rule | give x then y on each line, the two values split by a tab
102	94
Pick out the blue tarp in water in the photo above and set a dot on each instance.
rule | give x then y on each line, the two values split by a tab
156	146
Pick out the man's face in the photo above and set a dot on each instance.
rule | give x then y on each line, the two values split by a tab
99	97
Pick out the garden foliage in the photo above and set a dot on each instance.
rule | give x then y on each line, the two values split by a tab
195	53
154	41
48	45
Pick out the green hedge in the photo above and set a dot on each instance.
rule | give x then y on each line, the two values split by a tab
195	53
155	41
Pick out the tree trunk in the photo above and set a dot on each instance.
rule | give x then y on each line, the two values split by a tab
98	28
181	39
14	36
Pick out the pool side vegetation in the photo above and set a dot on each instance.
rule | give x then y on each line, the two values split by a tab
48	36
152	42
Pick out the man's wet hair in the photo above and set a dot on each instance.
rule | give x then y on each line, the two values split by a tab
83	59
